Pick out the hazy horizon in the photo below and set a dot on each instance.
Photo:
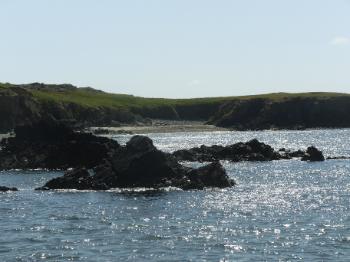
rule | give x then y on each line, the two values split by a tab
178	49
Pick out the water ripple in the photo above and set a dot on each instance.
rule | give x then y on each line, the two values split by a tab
280	210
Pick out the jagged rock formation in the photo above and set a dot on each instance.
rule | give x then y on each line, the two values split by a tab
140	164
100	163
313	154
249	151
52	145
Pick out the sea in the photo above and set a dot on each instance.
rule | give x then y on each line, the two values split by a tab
285	210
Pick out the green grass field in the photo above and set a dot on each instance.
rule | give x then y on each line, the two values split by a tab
98	99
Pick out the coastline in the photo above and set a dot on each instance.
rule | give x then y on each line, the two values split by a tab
161	126
189	126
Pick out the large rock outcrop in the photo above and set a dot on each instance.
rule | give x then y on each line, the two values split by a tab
140	164
249	151
101	163
52	145
252	150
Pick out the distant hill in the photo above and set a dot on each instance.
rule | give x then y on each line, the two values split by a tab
21	104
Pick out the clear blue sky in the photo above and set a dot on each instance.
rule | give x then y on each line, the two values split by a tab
178	48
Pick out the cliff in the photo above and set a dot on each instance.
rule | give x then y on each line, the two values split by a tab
287	113
17	107
23	104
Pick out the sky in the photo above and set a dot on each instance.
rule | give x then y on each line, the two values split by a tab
178	48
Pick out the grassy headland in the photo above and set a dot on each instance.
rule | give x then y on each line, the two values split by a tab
90	106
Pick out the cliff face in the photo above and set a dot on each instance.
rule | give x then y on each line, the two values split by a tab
17	107
87	116
291	113
23	104
199	111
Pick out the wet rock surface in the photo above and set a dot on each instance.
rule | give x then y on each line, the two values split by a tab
99	163
312	154
6	189
252	150
52	145
79	178
141	164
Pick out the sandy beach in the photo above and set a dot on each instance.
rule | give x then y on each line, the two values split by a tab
162	127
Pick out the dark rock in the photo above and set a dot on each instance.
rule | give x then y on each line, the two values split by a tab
5	189
140	164
212	175
298	153
313	154
79	179
146	169
338	157
250	151
53	145
44	130
140	144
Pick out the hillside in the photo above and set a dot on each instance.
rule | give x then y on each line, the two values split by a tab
297	111
86	106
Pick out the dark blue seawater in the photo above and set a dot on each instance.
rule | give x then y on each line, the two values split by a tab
279	211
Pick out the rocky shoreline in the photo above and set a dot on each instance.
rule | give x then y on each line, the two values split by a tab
252	150
99	163
157	126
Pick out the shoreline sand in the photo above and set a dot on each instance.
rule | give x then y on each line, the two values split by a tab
161	127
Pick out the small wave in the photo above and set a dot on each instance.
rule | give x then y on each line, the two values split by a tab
144	191
123	190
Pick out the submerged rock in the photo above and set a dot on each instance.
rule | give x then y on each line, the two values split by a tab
338	157
5	189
